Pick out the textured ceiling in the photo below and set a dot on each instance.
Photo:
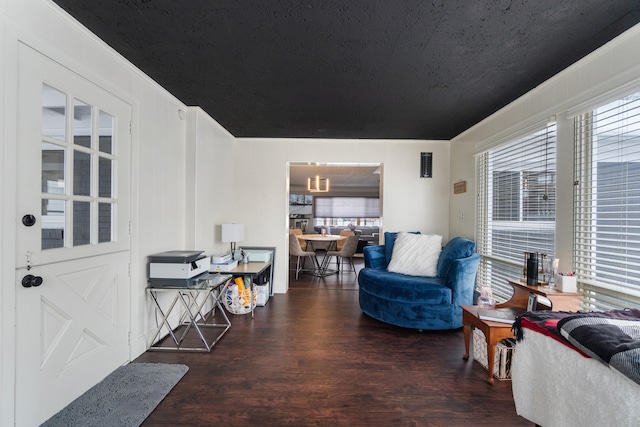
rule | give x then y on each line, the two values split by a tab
352	69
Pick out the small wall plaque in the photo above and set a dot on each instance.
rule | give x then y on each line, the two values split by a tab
460	187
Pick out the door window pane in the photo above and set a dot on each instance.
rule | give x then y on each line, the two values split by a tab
105	212
81	173
105	170
54	117
106	132
82	123
52	168
53	220
81	223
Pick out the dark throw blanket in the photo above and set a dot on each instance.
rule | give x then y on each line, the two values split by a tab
611	337
544	322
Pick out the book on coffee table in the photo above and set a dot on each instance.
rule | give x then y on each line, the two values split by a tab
503	315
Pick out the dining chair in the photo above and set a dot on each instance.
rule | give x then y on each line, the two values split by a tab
298	232
296	250
347	252
340	243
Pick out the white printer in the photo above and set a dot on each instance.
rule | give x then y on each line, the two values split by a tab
177	268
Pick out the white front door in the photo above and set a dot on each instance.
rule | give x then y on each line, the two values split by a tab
73	243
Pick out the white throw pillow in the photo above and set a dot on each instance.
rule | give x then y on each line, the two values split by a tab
416	254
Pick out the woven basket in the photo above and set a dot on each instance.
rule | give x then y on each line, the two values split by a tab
238	302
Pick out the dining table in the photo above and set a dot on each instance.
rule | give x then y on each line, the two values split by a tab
332	243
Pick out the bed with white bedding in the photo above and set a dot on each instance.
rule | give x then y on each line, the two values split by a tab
556	383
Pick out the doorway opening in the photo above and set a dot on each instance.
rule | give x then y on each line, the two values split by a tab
335	198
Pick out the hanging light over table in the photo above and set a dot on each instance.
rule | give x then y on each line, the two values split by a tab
317	184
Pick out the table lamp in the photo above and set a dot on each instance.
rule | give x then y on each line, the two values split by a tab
232	233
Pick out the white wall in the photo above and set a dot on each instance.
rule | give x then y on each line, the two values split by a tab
409	202
608	73
209	184
173	182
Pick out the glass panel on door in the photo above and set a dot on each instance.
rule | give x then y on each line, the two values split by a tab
82	123
105	227
54	116
53	183
105	172
105	135
81	223
81	173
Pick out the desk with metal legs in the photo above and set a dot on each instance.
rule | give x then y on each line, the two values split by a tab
192	300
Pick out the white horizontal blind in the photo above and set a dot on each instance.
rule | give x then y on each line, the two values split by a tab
607	205
347	207
516	207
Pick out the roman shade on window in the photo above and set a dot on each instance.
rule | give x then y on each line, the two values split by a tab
347	207
607	205
516	206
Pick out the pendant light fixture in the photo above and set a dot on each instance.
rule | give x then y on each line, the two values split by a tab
317	184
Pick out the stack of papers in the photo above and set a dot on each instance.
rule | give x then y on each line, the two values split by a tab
502	315
221	259
227	266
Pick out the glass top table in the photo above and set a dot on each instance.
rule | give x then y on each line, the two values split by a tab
191	297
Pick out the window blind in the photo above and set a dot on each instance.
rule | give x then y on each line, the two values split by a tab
516	207
607	205
347	207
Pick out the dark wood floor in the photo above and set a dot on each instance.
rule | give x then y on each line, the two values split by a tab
312	358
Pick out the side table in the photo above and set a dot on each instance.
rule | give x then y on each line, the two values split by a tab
192	299
493	333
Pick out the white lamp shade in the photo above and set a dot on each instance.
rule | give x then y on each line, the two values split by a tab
232	233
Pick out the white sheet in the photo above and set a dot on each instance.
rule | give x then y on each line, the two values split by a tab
554	385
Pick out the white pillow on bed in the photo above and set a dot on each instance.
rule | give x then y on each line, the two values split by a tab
416	254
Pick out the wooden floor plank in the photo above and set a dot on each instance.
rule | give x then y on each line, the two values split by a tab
312	358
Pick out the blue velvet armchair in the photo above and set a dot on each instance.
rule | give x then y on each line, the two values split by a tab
419	302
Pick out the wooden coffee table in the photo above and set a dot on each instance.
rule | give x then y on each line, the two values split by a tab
493	333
